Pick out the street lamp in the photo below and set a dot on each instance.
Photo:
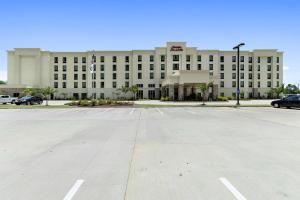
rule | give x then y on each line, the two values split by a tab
238	72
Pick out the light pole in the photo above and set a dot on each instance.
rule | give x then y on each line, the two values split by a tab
238	72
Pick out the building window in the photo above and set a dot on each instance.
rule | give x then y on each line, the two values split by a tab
127	59
258	59
211	58
102	75
151	75
222	75
64	77
140	85
250	60
277	60
250	76
127	84
93	84
84	68
55	59
56	68
162	58
175	66
250	68
55	84
233	84
277	68
75	68
139	75
83	59
233	67
114	84
64	68
83	76
151	58
222	94
75	84
75	76
211	73
151	66
211	67
83	84
102	67
64	85
269	75
277	84
222	67
188	58
258	76
269	84
175	57
139	58
250	84
114	67
269	67
64	59
139	66
199	66
233	75
222	84
102	59
277	75
199	58
127	68
242	75
233	58
55	76
162	66
114	76
242	66
188	67
102	84
269	59
127	76
221	58
75	59
258	84
242	58
242	83
162	75
258	67
114	59
94	76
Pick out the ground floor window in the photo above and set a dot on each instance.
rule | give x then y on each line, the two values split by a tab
75	96
140	94
101	95
83	95
151	94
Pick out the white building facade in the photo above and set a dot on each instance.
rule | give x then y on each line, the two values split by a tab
174	70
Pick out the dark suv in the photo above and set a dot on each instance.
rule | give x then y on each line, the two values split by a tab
289	101
29	100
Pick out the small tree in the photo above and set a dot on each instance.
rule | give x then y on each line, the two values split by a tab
124	90
47	92
134	89
28	91
204	87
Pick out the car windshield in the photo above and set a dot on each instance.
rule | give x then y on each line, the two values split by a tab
27	97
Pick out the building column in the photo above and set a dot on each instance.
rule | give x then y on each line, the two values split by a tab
171	91
180	92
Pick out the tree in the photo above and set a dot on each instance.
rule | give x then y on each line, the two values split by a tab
2	82
279	90
28	91
134	89
204	87
291	89
47	92
124	90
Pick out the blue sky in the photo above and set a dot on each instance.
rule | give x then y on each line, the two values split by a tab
77	25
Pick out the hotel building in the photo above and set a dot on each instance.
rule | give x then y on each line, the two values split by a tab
174	70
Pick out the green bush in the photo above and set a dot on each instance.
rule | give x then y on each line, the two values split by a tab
165	99
222	98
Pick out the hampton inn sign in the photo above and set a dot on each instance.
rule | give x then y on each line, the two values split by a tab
176	48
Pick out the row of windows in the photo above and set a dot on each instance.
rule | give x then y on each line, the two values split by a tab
250	76
250	84
102	85
163	58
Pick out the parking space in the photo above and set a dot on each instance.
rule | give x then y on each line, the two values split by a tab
150	153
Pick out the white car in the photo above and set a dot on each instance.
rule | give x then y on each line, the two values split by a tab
4	99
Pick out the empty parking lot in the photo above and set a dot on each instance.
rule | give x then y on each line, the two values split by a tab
150	154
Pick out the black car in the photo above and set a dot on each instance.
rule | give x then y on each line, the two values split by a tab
29	100
289	101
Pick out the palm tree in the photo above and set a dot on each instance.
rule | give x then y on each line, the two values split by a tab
47	92
134	89
124	89
204	87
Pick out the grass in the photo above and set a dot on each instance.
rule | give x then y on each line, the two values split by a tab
9	106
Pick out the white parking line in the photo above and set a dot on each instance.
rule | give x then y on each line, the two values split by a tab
232	189
74	189
160	112
132	111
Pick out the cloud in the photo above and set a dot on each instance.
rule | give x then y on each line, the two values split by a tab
285	68
3	75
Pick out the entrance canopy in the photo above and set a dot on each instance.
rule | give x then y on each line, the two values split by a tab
187	77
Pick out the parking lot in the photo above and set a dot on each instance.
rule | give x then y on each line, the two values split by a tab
181	153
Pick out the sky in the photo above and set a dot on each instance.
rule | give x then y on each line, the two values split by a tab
80	25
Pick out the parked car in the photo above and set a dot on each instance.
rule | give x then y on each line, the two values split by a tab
288	102
4	99
29	100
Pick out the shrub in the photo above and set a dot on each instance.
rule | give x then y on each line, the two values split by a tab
222	98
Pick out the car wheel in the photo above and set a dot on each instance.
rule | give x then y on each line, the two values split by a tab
288	107
276	105
13	102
